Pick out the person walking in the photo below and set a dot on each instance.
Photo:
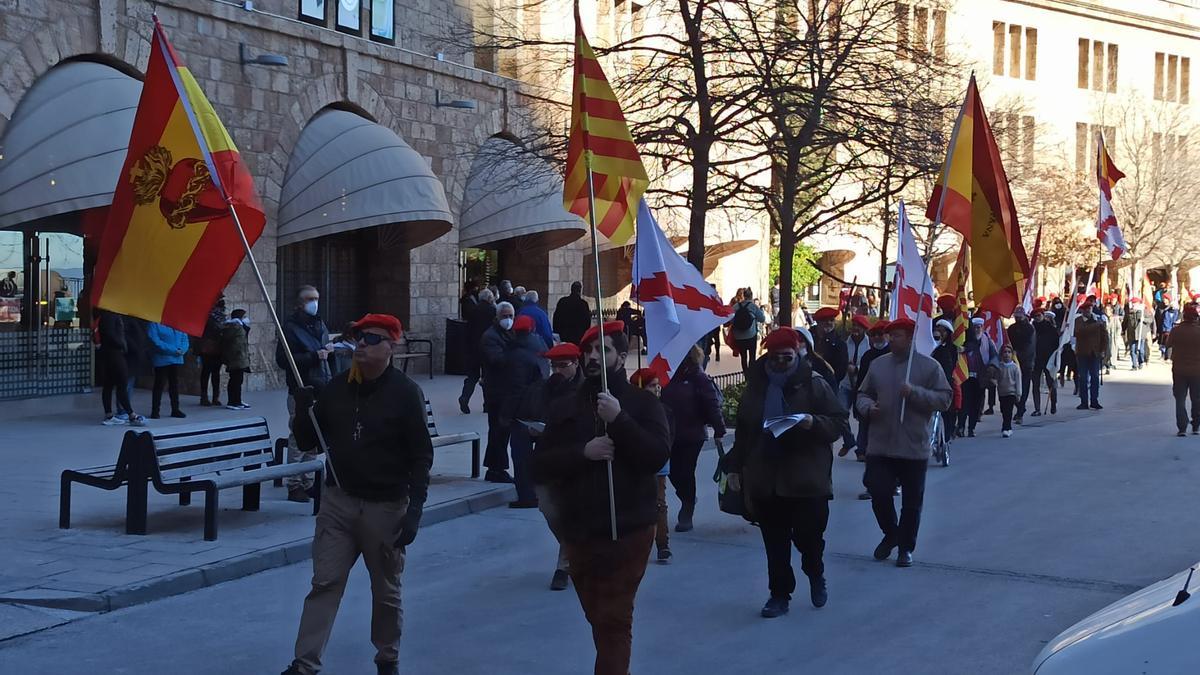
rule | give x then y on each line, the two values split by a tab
572	315
1008	388
877	336
899	447
493	351
1184	342
524	368
1022	339
1090	336
235	352
307	338
627	427
691	396
747	317
1166	324
647	379
857	346
209	349
8	285
482	317
980	353
112	354
1046	345
373	417
828	344
1134	331
541	321
564	380
787	476
946	354
168	347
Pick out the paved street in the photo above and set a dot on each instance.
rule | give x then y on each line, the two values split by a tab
1021	538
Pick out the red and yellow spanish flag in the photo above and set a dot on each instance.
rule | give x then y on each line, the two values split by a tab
170	245
600	142
962	322
972	197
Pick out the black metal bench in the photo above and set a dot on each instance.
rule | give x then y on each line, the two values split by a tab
185	459
406	354
453	439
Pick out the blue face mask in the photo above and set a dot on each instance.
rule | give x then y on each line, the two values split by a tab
310	308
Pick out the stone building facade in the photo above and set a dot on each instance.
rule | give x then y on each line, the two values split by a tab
266	109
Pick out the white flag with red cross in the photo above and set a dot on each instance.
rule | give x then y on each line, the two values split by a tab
679	306
1107	175
913	289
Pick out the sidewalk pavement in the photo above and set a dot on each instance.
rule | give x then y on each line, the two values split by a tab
48	575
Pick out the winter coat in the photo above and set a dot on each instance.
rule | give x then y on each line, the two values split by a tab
1008	381
1091	337
833	349
481	318
1046	343
524	367
535	407
235	346
493	348
946	354
1134	325
756	313
854	356
1184	341
137	345
541	322
112	332
799	463
1170	316
641	441
572	316
1021	337
981	352
691	396
168	345
931	392
306	335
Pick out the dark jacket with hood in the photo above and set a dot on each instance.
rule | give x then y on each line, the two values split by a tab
641	441
1021	337
798	464
1046	342
692	399
524	367
572	316
480	318
493	353
306	335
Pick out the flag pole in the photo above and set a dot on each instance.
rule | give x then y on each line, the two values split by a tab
262	286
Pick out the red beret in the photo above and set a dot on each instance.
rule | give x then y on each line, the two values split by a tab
1038	311
385	321
642	376
860	320
947	301
880	326
610	328
902	324
524	324
565	351
782	338
825	313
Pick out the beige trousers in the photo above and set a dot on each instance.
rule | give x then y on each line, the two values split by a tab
348	527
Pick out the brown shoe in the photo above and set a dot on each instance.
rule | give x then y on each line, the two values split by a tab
298	494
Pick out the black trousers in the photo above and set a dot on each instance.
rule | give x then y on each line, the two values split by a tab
786	522
683	469
236	377
116	379
749	351
1007	403
1026	383
495	458
170	376
882	476
469	382
1185	388
972	393
210	372
1044	376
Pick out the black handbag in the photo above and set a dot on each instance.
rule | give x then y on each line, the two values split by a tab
730	499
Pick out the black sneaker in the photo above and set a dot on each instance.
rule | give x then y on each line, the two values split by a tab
1018	420
298	495
989	411
864	496
178	414
154	415
775	607
560	580
664	556
497	476
462	406
1096	406
1181	433
1195	431
904	559
1081	406
1036	413
818	592
884	550
292	670
387	668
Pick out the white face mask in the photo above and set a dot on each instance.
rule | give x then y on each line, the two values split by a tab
506	323
246	321
310	308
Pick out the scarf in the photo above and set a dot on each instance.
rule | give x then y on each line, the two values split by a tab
774	404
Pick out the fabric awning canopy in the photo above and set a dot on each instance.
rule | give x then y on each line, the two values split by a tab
348	173
64	147
512	194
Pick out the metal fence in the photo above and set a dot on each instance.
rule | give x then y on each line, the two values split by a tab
723	381
45	363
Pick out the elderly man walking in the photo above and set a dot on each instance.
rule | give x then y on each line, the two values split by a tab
1184	341
493	349
373	418
307	339
901	412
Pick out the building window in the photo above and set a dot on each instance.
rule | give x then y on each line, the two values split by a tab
349	17
1097	66
1021	56
1172	77
1085	145
916	34
383	21
313	11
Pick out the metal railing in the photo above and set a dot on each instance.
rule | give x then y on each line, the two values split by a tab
48	362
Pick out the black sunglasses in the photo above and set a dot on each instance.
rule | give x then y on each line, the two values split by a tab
781	357
370	339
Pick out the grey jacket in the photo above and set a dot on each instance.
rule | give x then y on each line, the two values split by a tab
888	436
756	313
1009	381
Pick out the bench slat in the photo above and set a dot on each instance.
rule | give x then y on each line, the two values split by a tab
454	439
256	432
237	478
213	467
203	428
214	453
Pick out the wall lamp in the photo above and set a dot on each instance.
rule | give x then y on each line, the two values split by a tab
457	104
261	59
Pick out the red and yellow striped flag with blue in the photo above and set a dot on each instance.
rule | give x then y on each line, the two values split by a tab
600	141
170	244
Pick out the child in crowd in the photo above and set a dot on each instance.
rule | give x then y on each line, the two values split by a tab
647	379
235	352
1008	387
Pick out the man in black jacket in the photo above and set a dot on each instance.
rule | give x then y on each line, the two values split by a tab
829	344
627	427
493	351
572	315
1046	340
308	341
373	418
480	318
1021	337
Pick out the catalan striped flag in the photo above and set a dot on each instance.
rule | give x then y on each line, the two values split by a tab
170	245
600	143
961	321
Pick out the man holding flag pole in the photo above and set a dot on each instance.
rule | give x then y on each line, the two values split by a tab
603	446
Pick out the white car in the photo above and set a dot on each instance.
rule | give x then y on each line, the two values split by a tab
1147	633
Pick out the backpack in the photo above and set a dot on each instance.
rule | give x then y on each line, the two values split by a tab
742	318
